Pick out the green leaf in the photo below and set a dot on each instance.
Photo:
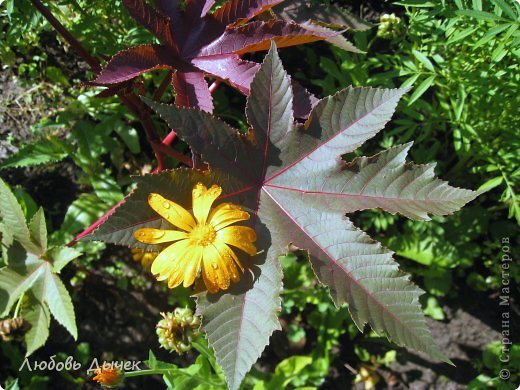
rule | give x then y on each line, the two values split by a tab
7	235
421	89
287	370
26	272
42	152
423	60
106	188
507	9
490	184
491	34
60	304
39	317
82	213
17	279
361	272
433	309
14	218
61	256
479	15
383	181
38	230
250	317
129	136
56	75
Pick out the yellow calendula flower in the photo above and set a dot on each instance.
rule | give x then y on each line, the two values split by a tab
146	258
203	243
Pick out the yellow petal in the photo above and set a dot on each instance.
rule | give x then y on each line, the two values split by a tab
169	259
208	281
227	254
157	236
240	236
215	268
225	214
203	200
172	212
192	259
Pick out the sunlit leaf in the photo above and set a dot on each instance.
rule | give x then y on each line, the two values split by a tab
292	178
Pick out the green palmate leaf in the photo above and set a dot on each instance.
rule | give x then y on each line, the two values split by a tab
61	256
17	279
360	272
6	235
238	324
39	317
42	152
292	178
13	217
38	229
26	272
59	302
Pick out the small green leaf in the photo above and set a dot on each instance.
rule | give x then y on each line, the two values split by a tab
433	309
490	184
479	15
423	60
410	81
56	75
421	89
14	218
61	256
41	152
507	9
106	188
39	317
38	230
491	34
129	136
7	235
82	213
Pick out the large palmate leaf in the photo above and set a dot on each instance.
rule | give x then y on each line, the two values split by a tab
292	177
195	43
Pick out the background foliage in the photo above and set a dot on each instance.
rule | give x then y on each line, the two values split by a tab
460	57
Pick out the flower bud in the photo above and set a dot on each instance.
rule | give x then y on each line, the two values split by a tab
177	330
13	328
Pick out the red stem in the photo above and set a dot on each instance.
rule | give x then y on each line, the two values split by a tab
162	87
213	87
169	138
67	35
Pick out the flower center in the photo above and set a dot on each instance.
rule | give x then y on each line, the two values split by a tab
203	235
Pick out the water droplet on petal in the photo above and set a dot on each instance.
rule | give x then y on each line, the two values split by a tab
166	205
214	265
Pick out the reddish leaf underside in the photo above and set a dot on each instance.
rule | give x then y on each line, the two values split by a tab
195	41
192	90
